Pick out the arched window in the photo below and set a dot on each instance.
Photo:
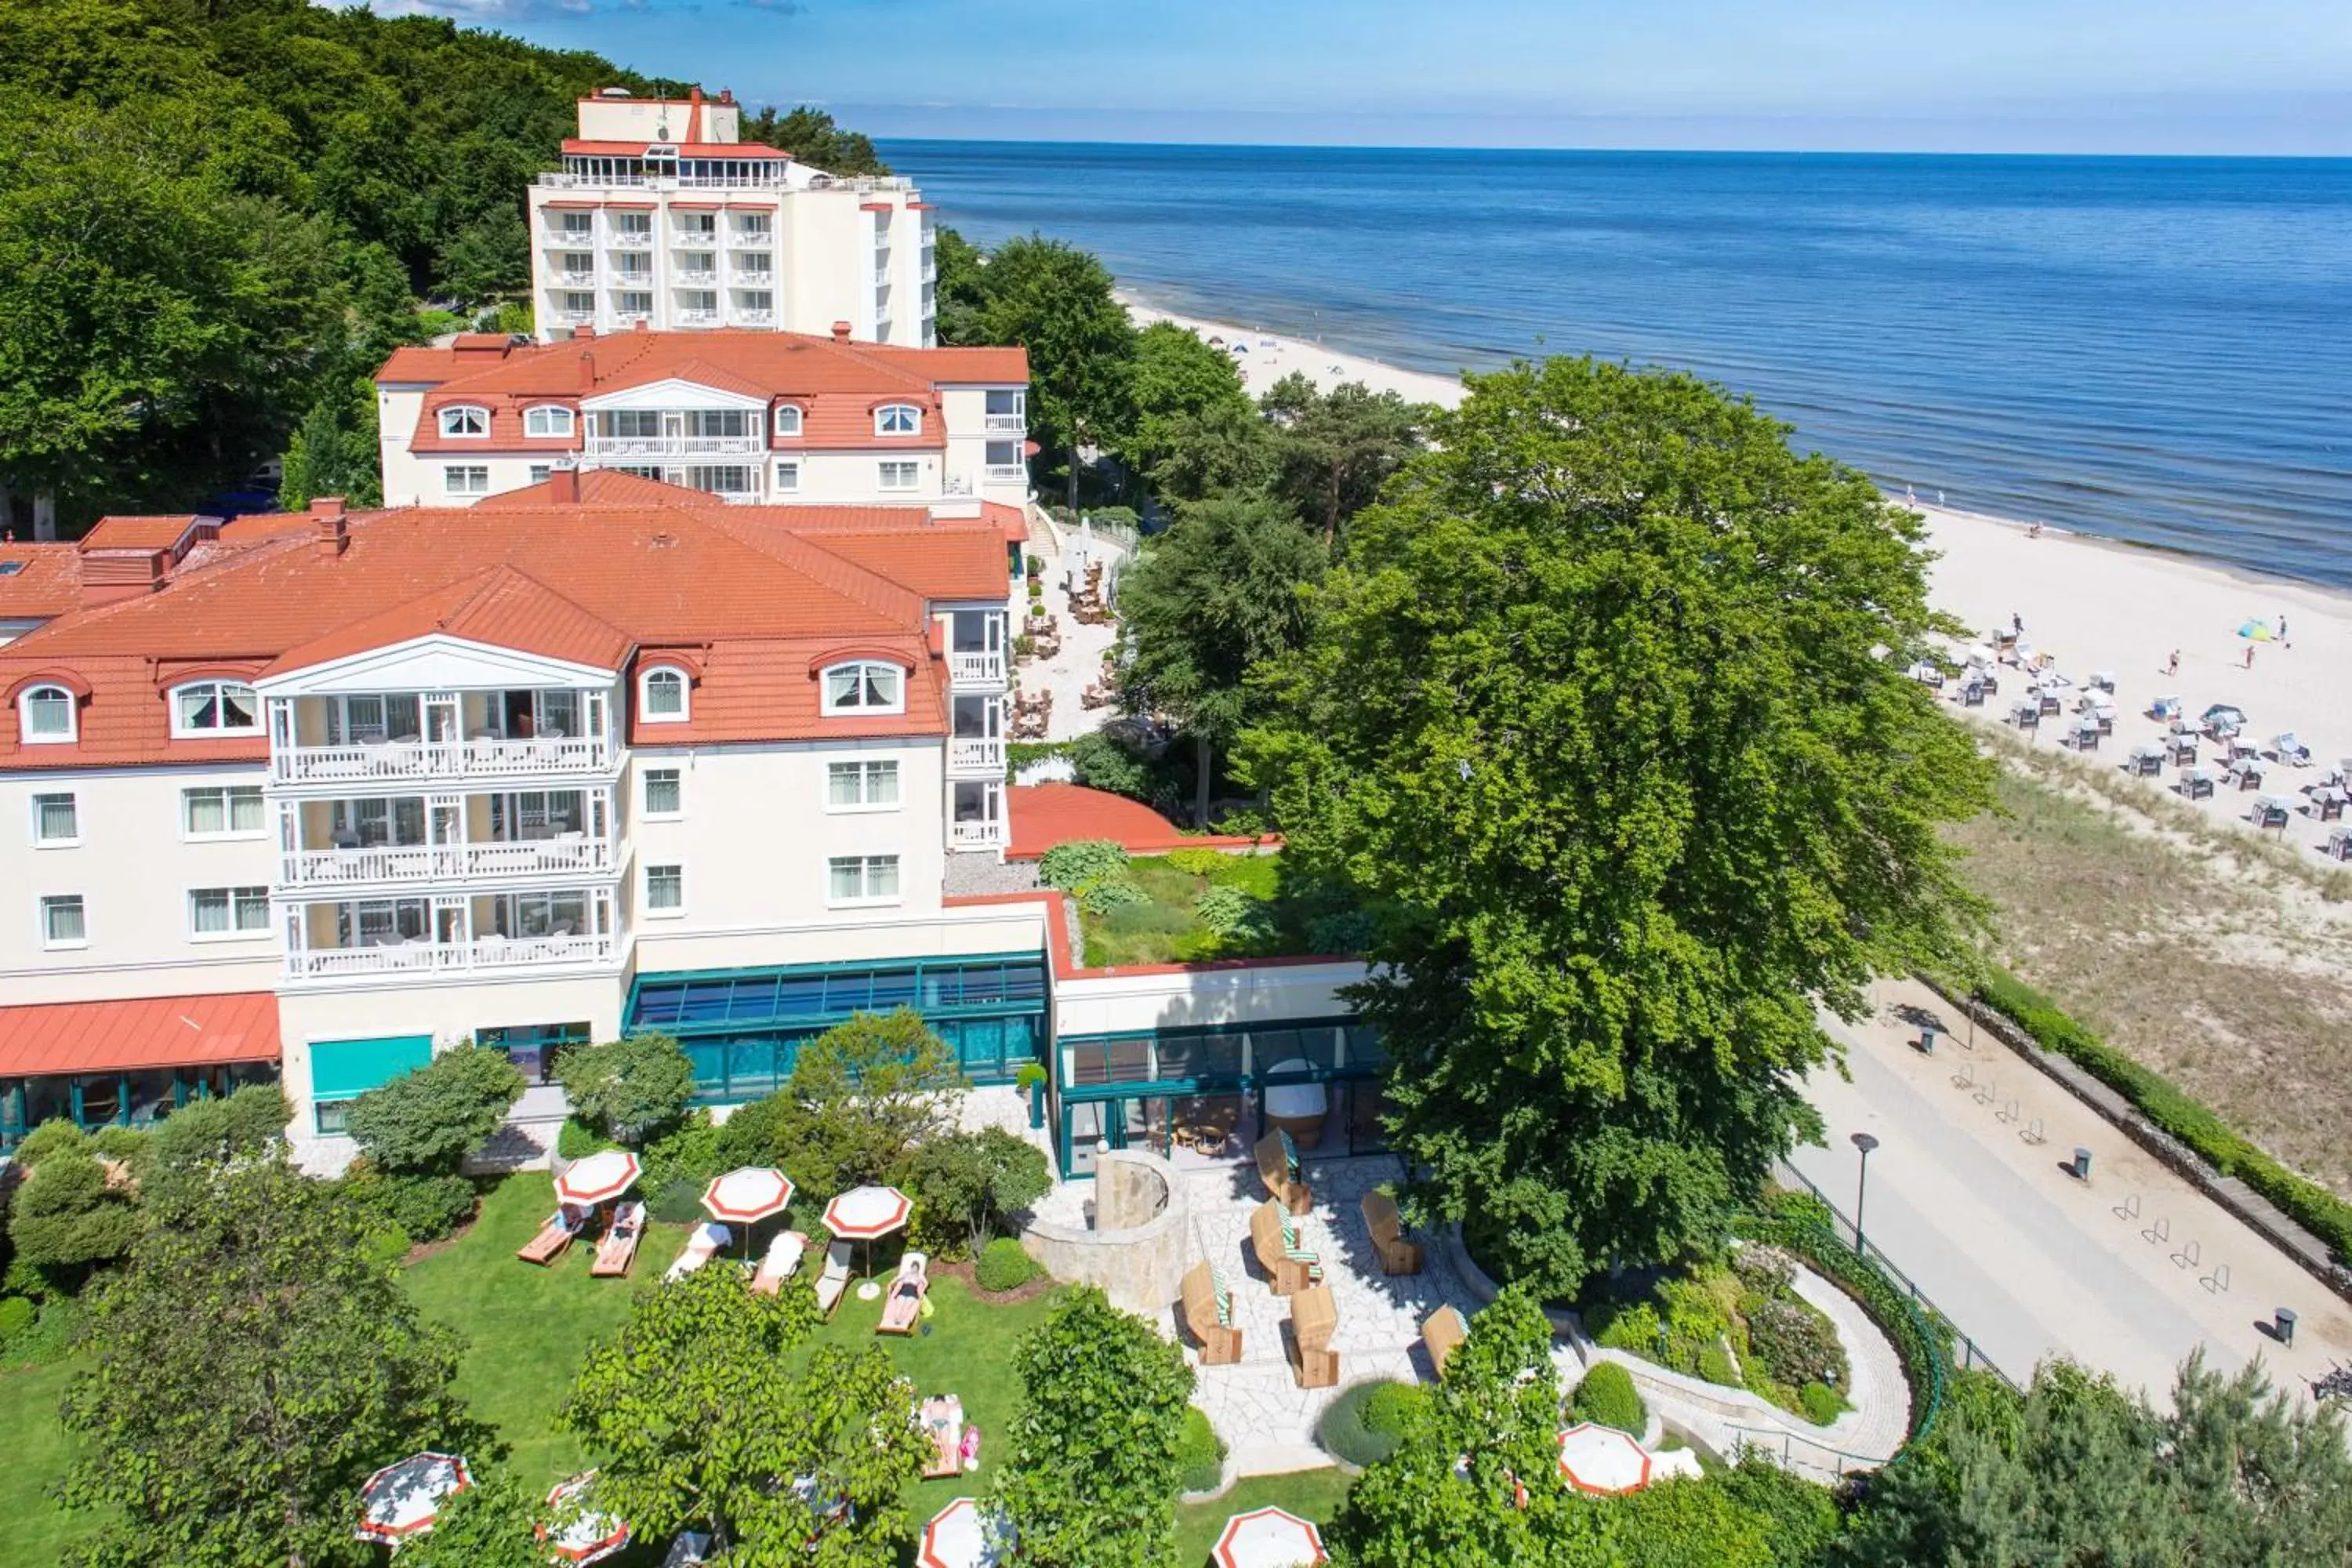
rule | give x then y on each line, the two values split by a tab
45	716
866	686
897	420
662	695
464	420
788	419
547	419
209	708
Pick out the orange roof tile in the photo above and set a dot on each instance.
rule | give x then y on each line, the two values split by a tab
151	1032
145	533
500	607
47	580
1046	815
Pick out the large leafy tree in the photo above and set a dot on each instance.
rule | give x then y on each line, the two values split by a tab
1214	597
1337	448
628	1089
1600	703
1176	380
695	1410
864	1095
810	135
430	1117
251	1364
1092	1478
77	1207
1054	300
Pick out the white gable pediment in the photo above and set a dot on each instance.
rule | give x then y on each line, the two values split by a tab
437	662
671	393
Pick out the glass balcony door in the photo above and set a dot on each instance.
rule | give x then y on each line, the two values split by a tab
377	824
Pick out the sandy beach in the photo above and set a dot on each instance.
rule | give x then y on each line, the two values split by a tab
2093	605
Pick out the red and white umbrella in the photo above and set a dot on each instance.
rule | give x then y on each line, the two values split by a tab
751	1193
1269	1537
583	1535
403	1499
1603	1460
597	1178
961	1535
861	1213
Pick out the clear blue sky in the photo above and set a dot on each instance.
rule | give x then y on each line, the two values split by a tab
2153	76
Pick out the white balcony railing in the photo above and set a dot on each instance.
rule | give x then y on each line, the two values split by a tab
574	855
1006	474
577	278
975	835
697	318
969	754
630	239
1004	424
571	239
752	236
428	957
675	445
570	317
377	759
756	318
977	668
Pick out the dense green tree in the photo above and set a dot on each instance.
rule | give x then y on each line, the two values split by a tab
1177	379
1054	300
863	1097
252	1363
959	287
1092	1476
76	1208
630	1089
494	1523
427	1120
695	1408
810	136
1337	448
334	452
966	1185
1219	450
1599	704
206	1134
1210	599
488	259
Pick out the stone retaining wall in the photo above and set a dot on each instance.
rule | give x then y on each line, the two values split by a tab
1136	1249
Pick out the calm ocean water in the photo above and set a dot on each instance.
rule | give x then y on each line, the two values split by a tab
2155	350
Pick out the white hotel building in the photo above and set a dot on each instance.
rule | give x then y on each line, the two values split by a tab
662	216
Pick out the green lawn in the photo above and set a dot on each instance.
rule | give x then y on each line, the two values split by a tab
36	1449
1165	928
1309	1494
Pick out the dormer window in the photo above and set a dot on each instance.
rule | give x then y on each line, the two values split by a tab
45	716
662	695
864	688
464	420
547	419
788	419
897	420
205	708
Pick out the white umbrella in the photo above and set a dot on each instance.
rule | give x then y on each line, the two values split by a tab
403	1499
962	1536
597	1178
861	1213
1601	1459
1269	1537
751	1194
587	1536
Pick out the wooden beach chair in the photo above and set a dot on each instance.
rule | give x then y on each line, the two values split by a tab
617	1248
780	1262
905	1303
1314	1317
1440	1332
833	1282
553	1237
1289	1267
1276	1169
1206	1306
1399	1255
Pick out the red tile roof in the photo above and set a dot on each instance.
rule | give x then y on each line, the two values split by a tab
750	149
1046	815
146	532
47	581
153	1032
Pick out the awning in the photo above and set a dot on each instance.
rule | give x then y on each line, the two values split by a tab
153	1032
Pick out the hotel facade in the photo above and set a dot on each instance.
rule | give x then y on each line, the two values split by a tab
662	216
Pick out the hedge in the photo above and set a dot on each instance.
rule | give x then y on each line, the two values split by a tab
1607	1398
2172	1111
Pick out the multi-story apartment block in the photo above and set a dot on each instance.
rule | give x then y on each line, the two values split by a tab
661	217
776	417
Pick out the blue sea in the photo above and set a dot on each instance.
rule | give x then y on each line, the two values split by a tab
2155	349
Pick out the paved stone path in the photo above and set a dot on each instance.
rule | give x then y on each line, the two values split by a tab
1079	663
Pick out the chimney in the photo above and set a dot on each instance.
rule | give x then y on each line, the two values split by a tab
334	530
587	371
694	116
841	332
563	485
584	331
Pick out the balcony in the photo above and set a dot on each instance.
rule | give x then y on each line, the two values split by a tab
423	956
571	854
571	239
754	236
1005	424
374	762
1005	473
697	318
973	756
630	239
755	318
675	446
570	317
576	278
975	835
976	667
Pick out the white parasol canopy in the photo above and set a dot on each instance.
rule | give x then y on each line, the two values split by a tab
1269	1537
587	1536
861	1213
751	1193
405	1499
597	1178
1601	1459
962	1536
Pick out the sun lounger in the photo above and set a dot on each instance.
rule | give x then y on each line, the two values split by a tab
942	1422
1398	1254
834	1283
1206	1306
1279	1172
1441	1332
780	1263
618	1248
701	1248
552	1238
1289	1266
905	1303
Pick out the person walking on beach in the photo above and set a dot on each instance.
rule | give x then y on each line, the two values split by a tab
2172	665
2016	624
2282	642
2250	656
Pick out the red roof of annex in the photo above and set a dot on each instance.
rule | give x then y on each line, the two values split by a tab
151	1032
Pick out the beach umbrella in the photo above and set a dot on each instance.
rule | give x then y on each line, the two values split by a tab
403	1499
2255	631
1269	1537
751	1194
861	1213
1602	1460
598	1178
585	1535
961	1535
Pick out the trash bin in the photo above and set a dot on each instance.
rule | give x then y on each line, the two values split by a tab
2285	1326
2081	1163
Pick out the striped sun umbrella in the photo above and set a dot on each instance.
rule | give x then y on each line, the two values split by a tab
962	1536
753	1192
599	1178
861	1213
1601	1459
1269	1537
405	1499
584	1536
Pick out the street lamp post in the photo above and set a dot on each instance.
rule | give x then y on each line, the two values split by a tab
1866	1142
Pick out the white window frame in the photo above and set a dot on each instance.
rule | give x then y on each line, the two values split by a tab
665	911
184	731
865	772
542	472
73	804
644	794
646	714
24	730
788	478
454	418
544	420
451	473
191	834
898	419
860	709
867	865
789	419
885	471
237	903
48	901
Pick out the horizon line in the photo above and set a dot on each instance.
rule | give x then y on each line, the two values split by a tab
1458	148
